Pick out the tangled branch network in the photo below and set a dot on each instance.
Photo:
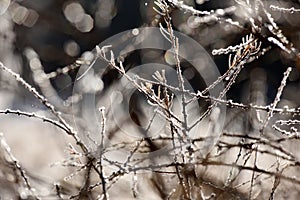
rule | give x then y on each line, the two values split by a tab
152	115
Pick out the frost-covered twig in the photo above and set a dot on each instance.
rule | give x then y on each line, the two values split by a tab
16	164
293	131
45	102
230	49
277	98
285	10
34	115
101	174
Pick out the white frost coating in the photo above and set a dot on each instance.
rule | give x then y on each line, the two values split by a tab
278	43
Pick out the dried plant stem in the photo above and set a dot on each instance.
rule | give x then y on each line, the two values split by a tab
228	102
285	10
101	173
17	165
175	47
44	101
277	98
34	115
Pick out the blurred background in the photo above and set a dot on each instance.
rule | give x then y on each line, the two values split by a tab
59	32
38	38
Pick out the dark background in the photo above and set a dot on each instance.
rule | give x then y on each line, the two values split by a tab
52	30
